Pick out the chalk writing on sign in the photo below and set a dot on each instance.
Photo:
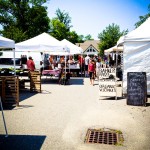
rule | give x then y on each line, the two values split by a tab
136	88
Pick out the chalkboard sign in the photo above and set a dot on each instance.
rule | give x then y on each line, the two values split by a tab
136	88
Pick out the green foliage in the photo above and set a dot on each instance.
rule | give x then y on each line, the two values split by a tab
38	2
23	19
64	17
143	18
109	37
58	29
14	33
88	37
38	21
80	38
73	37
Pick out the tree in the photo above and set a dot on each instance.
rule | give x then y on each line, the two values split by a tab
23	19
109	37
143	18
73	37
80	38
88	37
64	17
58	29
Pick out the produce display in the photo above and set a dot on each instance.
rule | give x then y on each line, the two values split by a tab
11	71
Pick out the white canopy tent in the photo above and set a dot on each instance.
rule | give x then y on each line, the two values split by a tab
74	49
120	41
42	43
137	52
6	43
114	49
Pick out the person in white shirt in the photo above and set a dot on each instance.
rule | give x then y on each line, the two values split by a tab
87	60
71	60
98	66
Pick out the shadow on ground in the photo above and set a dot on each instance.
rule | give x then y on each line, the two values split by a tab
111	98
8	107
24	94
21	142
76	81
72	81
49	81
147	104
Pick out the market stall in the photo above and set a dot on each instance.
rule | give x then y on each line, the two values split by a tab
4	85
116	55
43	43
74	67
8	82
136	53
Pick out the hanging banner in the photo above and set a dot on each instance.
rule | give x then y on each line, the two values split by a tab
107	73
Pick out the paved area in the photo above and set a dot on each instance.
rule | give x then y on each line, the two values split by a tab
59	117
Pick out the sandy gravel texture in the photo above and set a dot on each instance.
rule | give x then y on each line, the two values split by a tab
61	116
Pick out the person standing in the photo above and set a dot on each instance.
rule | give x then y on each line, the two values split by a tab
30	64
98	66
87	61
81	63
71	60
23	61
91	71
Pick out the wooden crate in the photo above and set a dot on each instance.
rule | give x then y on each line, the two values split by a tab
9	90
35	81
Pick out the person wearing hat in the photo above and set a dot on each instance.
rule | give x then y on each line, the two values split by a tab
30	64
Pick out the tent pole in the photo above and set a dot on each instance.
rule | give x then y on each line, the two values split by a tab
43	60
14	61
81	65
117	63
69	63
3	118
65	66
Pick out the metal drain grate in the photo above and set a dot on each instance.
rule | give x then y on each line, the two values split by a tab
104	137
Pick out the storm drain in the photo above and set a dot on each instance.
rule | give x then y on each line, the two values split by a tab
101	136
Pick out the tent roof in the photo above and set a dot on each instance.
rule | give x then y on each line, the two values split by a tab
114	49
43	43
120	41
6	43
74	49
142	33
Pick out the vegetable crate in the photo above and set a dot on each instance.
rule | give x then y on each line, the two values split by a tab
9	90
35	81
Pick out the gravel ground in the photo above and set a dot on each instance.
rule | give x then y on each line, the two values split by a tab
59	117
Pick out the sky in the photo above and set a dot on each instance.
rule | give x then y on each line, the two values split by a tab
93	16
